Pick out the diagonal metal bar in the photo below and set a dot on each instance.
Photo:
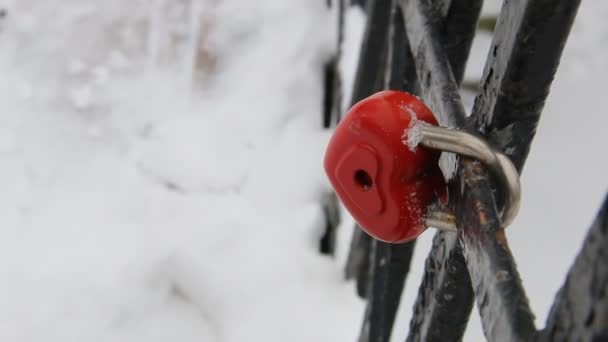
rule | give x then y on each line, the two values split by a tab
525	52
580	311
458	32
445	297
501	299
527	45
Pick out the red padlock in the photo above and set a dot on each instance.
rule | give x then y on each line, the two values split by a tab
385	186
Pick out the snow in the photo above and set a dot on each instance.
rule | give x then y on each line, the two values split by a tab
412	135
160	166
141	203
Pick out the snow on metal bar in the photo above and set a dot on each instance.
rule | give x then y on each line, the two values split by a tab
424	26
501	299
500	296
445	297
525	52
580	310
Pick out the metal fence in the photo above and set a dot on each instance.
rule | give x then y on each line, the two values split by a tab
421	46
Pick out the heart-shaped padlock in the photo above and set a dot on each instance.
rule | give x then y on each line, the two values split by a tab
386	186
382	162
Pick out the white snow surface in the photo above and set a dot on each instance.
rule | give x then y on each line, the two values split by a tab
160	167
412	136
140	203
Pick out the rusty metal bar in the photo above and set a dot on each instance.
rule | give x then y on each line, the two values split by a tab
445	297
580	310
526	49
501	299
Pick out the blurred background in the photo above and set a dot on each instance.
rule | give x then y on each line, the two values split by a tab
161	178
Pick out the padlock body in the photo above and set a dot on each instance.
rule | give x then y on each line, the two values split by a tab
385	185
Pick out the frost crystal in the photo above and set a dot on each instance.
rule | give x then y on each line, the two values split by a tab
412	135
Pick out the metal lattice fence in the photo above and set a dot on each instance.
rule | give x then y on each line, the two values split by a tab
421	46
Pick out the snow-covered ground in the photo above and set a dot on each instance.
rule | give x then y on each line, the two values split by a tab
160	167
140	203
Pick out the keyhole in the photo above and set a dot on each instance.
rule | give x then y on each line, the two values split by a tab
363	180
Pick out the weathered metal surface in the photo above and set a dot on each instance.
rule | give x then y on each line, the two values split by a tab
445	297
501	299
527	45
530	36
424	27
580	310
525	52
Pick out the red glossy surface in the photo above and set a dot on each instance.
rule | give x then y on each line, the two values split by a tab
385	186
